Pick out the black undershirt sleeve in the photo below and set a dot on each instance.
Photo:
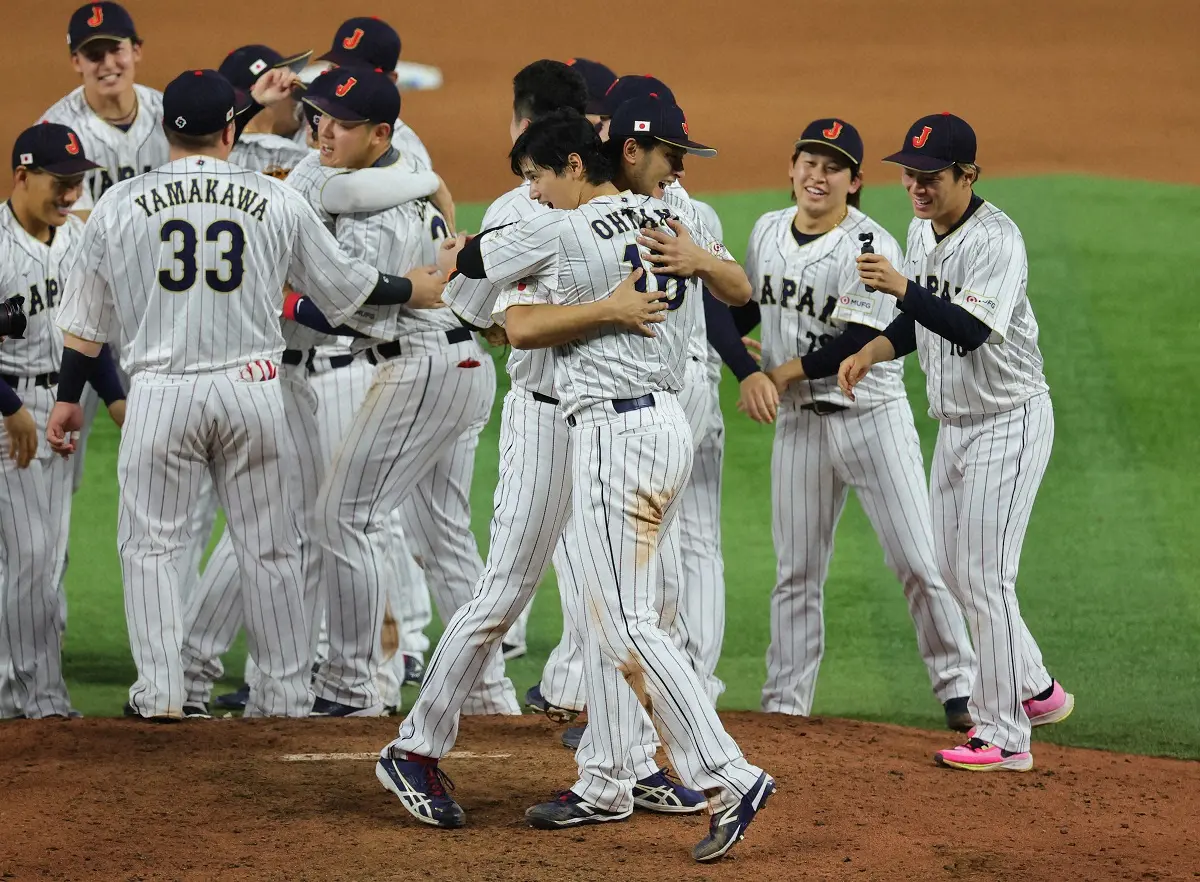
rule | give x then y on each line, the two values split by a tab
470	259
946	319
310	316
824	362
724	337
902	333
10	401
746	317
390	291
105	379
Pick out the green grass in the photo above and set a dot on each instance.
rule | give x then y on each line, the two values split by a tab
1108	579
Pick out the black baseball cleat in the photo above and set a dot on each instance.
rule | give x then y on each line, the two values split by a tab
572	737
414	670
958	717
132	713
234	700
323	707
421	788
196	711
726	828
534	700
570	810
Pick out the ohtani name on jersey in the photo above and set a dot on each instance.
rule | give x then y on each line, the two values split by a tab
206	190
626	220
801	301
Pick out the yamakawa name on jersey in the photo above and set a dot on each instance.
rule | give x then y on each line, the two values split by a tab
206	190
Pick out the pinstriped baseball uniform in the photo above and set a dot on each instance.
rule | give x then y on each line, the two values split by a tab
630	457
35	502
415	436
993	446
262	151
410	145
807	293
185	265
121	154
532	506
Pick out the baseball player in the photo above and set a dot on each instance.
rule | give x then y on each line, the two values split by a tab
267	142
531	506
212	614
38	240
965	311
631	449
416	433
204	387
801	262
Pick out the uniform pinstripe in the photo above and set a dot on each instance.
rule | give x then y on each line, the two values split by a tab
628	470
993	447
414	436
156	252
806	294
35	502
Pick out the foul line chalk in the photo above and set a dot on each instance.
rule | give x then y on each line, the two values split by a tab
342	757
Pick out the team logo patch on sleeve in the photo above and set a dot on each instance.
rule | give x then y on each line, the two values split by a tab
987	304
719	250
854	301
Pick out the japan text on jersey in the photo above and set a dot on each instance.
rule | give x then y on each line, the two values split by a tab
982	267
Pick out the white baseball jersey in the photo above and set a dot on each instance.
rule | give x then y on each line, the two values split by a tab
709	216
202	236
262	151
681	203
474	300
396	241
36	271
410	145
982	267
566	251
807	294
121	153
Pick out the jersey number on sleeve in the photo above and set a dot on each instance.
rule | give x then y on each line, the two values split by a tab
673	286
181	276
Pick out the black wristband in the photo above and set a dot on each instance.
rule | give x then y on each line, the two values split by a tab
10	401
74	374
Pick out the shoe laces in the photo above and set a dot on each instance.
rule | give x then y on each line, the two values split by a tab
437	781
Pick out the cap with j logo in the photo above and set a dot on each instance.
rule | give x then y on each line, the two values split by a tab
365	41
355	95
52	148
936	142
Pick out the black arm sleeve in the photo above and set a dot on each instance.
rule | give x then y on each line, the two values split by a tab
470	259
310	316
724	337
390	291
75	372
105	379
10	401
902	333
825	361
746	318
944	318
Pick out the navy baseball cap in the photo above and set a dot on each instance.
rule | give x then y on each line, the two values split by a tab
599	79
198	102
100	21
243	66
355	95
663	120
52	148
629	87
366	41
936	142
836	134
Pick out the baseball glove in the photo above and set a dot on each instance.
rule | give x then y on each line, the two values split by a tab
277	172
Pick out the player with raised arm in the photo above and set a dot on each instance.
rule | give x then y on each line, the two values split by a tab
965	311
801	262
184	267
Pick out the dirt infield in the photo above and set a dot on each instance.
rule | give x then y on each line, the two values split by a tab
116	799
1076	85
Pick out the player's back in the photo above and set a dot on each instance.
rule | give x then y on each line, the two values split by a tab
196	254
264	152
593	249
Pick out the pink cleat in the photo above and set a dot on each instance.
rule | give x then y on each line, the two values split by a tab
979	756
1054	709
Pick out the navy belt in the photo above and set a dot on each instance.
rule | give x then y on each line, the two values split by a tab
824	408
545	399
625	405
308	359
293	357
388	351
43	380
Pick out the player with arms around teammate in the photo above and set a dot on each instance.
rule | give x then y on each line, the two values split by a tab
119	121
186	264
965	311
413	441
267	143
815	312
631	452
39	239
